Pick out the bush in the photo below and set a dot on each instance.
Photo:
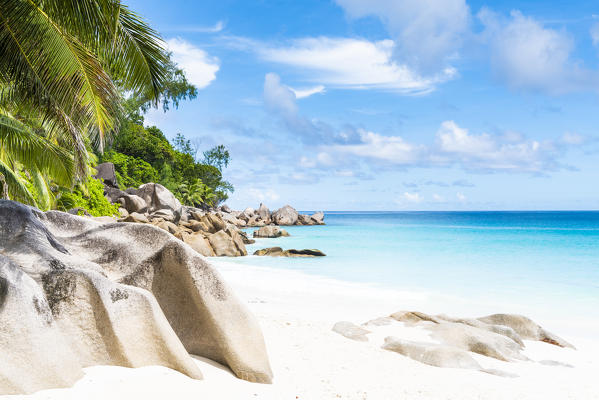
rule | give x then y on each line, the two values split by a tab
89	196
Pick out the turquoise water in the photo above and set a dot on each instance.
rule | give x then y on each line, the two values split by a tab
540	260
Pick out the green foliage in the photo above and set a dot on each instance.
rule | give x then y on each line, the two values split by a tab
195	194
89	196
130	171
218	157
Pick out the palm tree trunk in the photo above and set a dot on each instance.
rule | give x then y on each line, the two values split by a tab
4	188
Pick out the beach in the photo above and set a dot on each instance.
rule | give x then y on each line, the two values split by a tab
297	311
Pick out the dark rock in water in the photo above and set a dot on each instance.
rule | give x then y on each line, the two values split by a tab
106	173
245	238
270	251
279	252
75	293
304	253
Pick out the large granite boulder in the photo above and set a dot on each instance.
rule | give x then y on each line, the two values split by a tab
270	231
106	173
75	292
225	246
133	203
264	213
318	218
286	215
199	243
157	197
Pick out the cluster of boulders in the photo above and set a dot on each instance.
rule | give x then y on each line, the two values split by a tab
499	336
286	215
206	232
212	232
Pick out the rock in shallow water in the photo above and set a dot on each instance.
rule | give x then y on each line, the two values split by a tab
279	252
271	231
76	293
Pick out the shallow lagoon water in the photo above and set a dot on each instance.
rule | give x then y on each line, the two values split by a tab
539	263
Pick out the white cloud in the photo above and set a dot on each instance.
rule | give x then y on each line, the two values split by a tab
260	195
278	97
483	151
393	149
595	33
307	92
453	146
412	197
352	63
200	68
438	198
427	32
528	55
460	196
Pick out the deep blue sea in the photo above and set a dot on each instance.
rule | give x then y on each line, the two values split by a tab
529	260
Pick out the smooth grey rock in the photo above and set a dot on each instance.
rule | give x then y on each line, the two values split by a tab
133	203
106	173
77	293
165	214
432	354
225	208
137	217
286	215
351	331
526	328
158	197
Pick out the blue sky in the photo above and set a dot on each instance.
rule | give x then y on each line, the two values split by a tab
392	105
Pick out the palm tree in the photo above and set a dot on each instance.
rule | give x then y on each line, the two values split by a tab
59	61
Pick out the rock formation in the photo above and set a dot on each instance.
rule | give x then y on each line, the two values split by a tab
279	252
499	336
270	231
75	292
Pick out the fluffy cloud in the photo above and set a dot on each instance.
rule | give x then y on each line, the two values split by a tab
411	197
200	68
454	145
428	32
392	149
527	55
486	152
352	63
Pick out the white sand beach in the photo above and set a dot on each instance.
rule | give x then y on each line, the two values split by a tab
310	361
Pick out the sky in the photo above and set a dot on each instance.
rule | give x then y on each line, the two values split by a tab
391	104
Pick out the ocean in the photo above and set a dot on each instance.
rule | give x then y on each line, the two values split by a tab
544	263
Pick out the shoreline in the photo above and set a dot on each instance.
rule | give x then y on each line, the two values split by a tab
297	311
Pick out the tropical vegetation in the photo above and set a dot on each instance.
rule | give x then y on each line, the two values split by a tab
75	80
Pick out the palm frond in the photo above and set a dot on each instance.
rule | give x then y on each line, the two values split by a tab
17	190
